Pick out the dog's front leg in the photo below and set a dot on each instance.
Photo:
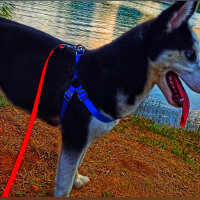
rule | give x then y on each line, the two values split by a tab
68	163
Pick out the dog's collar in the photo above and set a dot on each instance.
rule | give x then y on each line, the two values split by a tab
81	93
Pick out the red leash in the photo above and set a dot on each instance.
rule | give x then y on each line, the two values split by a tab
28	133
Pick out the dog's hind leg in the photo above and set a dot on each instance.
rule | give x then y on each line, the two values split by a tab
68	163
79	179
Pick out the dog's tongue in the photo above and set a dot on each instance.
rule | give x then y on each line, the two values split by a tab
186	102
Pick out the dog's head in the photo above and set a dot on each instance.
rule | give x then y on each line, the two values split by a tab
174	52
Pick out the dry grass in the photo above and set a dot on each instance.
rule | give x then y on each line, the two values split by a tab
129	161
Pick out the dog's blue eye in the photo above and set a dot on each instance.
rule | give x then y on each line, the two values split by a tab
190	55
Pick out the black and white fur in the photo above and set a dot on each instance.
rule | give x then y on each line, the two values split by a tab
117	77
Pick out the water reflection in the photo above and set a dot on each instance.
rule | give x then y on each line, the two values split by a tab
93	23
101	34
125	14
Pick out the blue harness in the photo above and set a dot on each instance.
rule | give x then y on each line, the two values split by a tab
80	92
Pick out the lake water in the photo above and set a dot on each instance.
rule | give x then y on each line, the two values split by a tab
93	23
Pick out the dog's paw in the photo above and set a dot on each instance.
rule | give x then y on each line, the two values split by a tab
80	181
60	193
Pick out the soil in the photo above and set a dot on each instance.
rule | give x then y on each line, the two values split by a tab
117	164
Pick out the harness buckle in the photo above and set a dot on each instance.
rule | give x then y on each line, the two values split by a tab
68	95
82	95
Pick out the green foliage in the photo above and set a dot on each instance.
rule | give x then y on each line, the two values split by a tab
179	141
106	194
6	9
152	142
121	130
144	140
3	102
177	151
198	7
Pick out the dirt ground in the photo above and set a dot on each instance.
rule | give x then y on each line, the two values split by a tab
117	164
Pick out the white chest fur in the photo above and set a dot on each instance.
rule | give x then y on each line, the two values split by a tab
97	128
124	108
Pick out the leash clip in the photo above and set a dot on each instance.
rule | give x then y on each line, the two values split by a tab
80	49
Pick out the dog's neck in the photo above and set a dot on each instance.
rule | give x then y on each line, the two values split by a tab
116	76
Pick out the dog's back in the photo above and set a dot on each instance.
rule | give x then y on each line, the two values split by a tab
23	53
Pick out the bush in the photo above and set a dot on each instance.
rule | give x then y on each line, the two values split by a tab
6	9
198	7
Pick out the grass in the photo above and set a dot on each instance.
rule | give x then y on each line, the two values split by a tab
3	102
106	194
179	141
153	142
133	134
182	142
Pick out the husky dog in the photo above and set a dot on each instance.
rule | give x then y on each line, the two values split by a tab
117	77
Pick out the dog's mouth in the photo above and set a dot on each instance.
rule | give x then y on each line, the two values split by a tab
179	95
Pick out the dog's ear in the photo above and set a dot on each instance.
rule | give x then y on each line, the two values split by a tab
181	12
173	17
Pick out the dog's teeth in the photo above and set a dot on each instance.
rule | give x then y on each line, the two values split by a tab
181	100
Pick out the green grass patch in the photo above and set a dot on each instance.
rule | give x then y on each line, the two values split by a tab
177	151
152	142
144	140
179	141
3	102
121	130
106	194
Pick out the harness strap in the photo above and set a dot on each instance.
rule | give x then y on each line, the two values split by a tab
82	96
